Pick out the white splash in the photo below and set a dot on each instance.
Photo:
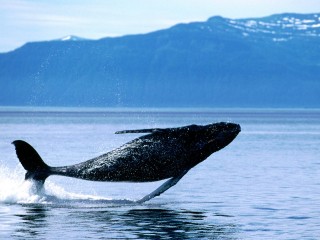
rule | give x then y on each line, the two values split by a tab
15	190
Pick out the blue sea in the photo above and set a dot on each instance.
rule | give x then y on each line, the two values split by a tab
264	185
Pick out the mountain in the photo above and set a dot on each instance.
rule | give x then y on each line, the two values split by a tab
71	38
258	62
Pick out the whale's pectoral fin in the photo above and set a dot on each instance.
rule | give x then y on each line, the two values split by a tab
147	130
164	187
150	130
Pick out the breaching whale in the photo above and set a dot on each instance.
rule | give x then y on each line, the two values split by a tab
162	153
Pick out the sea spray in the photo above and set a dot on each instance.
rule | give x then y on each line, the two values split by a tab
11	188
15	190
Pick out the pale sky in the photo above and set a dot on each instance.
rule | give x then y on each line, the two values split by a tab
24	21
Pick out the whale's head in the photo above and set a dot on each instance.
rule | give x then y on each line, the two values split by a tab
219	135
207	139
196	142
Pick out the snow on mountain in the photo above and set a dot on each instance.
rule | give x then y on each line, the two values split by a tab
72	38
282	26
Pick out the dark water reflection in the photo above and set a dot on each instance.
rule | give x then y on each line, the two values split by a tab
172	224
31	222
155	223
120	222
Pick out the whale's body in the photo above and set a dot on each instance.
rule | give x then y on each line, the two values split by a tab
160	154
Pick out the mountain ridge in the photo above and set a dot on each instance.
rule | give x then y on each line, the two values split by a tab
254	62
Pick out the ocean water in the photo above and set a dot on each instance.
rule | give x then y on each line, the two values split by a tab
264	185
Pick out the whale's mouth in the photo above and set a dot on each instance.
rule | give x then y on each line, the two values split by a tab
237	128
232	127
222	134
232	130
227	128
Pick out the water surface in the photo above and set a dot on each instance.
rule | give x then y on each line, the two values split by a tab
264	185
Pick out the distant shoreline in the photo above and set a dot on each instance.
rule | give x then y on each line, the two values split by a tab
147	109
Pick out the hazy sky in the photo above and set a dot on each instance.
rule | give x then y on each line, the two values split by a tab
23	21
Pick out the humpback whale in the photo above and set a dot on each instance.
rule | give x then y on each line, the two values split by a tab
161	153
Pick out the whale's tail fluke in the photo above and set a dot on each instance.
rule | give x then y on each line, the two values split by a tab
31	161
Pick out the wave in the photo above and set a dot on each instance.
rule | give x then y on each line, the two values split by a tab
15	190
